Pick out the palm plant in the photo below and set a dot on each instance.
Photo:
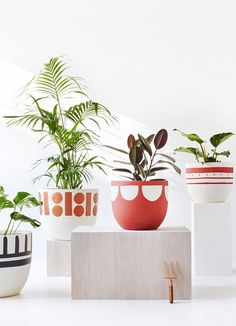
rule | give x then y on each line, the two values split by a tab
63	114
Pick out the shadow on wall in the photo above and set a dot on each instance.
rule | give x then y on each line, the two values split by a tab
20	149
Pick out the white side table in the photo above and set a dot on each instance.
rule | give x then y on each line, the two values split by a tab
211	239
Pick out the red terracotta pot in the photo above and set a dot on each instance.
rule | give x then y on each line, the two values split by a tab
139	205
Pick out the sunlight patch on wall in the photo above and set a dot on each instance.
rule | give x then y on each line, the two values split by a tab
14	78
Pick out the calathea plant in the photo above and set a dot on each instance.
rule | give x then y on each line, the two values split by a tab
17	204
144	158
64	116
201	154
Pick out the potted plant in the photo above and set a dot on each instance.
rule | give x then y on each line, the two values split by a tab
66	119
140	203
15	245
209	180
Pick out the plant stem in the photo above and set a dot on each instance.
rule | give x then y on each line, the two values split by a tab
17	228
58	101
60	109
12	227
7	229
215	155
203	153
150	166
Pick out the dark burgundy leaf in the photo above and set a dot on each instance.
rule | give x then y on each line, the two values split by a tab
161	138
131	141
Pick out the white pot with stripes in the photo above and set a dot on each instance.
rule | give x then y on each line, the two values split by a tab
15	261
209	182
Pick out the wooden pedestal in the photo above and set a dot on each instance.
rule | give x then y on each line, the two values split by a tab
110	263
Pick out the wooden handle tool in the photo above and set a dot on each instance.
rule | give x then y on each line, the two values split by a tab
170	275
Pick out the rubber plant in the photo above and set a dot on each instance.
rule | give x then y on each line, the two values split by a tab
143	157
66	119
209	180
141	203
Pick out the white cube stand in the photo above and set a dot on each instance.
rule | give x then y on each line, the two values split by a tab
211	239
59	258
109	263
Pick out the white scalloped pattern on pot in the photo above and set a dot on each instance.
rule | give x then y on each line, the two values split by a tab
129	192
152	193
114	192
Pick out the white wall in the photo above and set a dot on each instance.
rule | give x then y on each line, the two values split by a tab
163	63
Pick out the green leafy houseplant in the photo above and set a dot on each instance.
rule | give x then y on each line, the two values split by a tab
19	202
64	116
142	157
200	153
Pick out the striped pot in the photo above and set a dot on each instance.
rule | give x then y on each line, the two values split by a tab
209	182
15	260
63	210
139	205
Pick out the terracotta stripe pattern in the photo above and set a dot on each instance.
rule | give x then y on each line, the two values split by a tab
63	210
210	182
68	204
211	175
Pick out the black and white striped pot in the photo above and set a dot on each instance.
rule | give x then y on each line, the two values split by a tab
15	260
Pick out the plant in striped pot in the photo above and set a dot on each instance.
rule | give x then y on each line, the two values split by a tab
209	180
141	202
68	123
15	245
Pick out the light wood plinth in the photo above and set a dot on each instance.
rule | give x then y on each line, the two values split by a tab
59	258
110	263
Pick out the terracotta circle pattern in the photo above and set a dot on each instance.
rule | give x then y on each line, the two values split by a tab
57	197
68	203
79	198
57	210
79	210
95	198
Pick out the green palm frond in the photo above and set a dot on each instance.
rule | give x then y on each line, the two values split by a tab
54	82
90	111
73	129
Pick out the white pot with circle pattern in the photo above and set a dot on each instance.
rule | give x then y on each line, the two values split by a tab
65	209
15	261
209	182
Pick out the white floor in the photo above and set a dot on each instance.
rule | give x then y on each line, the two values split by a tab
46	301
